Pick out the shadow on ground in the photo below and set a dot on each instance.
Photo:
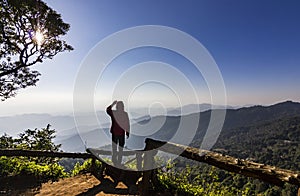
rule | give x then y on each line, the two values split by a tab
19	185
109	187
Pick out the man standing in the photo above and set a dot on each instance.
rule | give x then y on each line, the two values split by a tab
119	126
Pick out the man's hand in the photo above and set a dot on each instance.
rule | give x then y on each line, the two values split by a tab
127	134
114	103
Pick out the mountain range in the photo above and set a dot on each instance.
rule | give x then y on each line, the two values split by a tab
165	127
162	127
234	118
66	125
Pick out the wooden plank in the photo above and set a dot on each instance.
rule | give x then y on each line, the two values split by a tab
271	174
38	153
137	153
108	152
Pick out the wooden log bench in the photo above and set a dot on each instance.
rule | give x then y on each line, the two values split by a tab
123	174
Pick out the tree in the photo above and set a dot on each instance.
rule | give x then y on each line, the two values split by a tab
41	168
30	32
37	139
6	141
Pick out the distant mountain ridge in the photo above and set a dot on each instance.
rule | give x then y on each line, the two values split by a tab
194	108
65	124
235	118
254	114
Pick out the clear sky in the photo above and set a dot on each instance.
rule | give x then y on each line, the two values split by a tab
256	45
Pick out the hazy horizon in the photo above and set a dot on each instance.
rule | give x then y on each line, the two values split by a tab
102	109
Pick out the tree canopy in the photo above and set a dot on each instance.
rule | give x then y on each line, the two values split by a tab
30	32
37	139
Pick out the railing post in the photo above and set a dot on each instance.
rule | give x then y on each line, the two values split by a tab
148	167
139	160
147	173
93	166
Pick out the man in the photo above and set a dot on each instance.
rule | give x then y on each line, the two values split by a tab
119	127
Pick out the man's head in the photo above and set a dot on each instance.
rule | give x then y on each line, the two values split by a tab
120	106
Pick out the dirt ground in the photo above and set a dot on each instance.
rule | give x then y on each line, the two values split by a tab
85	184
80	185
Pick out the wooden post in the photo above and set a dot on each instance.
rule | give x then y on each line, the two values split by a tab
148	167
93	166
139	160
147	173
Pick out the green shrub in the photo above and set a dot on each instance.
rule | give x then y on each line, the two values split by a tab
85	167
13	166
43	168
188	181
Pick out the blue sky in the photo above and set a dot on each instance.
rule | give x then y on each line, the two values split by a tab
254	43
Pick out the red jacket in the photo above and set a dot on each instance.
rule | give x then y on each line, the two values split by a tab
120	121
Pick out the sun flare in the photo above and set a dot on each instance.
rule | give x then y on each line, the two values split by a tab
39	37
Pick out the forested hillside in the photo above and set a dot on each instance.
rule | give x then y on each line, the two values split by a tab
269	135
275	143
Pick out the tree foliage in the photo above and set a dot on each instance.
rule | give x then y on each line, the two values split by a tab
203	179
85	167
43	168
30	32
189	181
15	166
37	139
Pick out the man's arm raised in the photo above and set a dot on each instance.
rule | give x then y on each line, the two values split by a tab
108	109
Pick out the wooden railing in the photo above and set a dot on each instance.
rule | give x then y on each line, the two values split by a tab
267	173
39	153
